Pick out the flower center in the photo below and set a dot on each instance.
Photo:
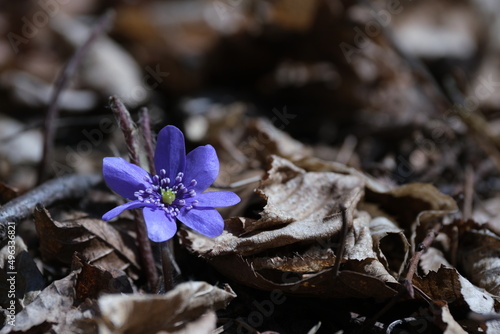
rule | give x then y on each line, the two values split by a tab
168	196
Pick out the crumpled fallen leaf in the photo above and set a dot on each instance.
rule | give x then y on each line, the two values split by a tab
28	279
298	228
448	285
60	306
479	256
143	314
99	242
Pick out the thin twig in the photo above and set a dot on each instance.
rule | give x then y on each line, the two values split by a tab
103	24
468	192
421	248
68	186
131	139
343	235
454	246
148	138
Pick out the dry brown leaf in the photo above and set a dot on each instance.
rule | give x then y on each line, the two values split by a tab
143	314
445	320
432	260
448	285
304	205
99	242
389	243
48	310
298	228
405	203
479	256
28	279
65	302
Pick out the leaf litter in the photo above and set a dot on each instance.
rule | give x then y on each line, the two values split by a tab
367	163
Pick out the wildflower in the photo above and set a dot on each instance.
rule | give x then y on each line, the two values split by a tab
176	192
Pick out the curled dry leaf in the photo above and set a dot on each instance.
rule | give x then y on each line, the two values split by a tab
28	279
405	203
49	310
444	319
290	246
449	286
389	243
143	314
479	256
59	307
99	242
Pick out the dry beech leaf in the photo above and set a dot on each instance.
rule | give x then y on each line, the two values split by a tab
448	285
93	281
304	205
60	306
432	260
405	203
28	279
143	314
313	164
479	256
49	310
389	243
446	322
99	242
298	228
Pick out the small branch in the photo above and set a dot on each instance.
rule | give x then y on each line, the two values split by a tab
131	139
103	24
148	138
421	248
69	186
468	193
343	235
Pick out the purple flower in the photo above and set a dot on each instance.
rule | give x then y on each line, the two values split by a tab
176	192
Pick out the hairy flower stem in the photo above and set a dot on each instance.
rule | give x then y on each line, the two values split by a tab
128	128
130	133
148	138
167	258
166	263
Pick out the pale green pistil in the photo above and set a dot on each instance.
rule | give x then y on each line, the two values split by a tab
168	196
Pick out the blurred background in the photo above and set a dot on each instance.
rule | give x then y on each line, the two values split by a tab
407	91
